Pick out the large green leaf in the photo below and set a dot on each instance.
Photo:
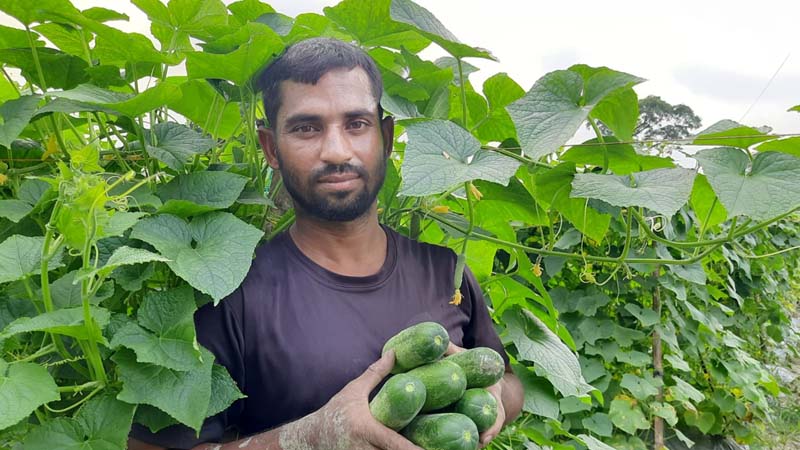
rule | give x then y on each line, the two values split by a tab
199	192
68	322
552	188
175	144
627	416
102	424
622	158
641	387
126	256
728	133
60	70
67	38
706	205
183	395
14	117
559	102
500	91
201	251
665	411
241	64
371	24
592	443
204	106
685	392
27	12
789	145
406	11
664	191
552	358
764	189
125	104
540	399
14	210
21	256
116	47
619	111
599	424
440	154
165	334
23	388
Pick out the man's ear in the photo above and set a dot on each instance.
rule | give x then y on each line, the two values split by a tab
266	137
387	132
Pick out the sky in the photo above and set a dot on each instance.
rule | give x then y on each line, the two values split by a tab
718	57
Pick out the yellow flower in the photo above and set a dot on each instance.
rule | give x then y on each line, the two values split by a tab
441	209
475	192
3	179
456	298
51	148
537	269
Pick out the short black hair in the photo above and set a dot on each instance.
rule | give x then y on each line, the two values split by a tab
306	62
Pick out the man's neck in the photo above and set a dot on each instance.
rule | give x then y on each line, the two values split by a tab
356	248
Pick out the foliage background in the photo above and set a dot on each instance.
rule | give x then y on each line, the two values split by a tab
639	301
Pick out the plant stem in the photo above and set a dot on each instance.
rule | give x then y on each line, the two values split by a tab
602	141
463	93
658	366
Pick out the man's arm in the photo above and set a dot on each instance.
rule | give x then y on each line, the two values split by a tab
345	422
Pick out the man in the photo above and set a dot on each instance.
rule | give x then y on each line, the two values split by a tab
301	335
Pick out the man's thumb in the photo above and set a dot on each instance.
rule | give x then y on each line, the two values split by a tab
377	371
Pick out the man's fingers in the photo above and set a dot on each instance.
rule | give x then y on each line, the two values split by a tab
377	371
386	439
453	348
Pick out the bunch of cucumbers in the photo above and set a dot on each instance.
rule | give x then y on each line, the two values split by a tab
438	403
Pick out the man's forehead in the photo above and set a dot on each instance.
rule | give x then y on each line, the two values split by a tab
340	89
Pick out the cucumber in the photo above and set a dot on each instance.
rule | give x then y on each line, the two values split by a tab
446	431
444	382
482	365
417	345
398	401
479	405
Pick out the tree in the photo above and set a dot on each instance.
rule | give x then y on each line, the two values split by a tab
663	121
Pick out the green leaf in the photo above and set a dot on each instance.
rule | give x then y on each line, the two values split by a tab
641	388
118	48
685	392
199	18
241	64
406	11
599	424
119	223
176	144
68	322
634	358
125	256
201	251
124	104
790	145
21	256
677	363
14	117
592	443
763	190
441	154
249	10
554	360
14	210
43	10
183	395
664	191
204	106
199	192
706	205
99	14
552	188
23	388
540	399
102	424
683	438
627	416
665	411
65	37
703	420
572	405
619	111
795	108
730	134
559	102
60	70
223	391
622	158
371	24
646	316
165	334
14	38
593	329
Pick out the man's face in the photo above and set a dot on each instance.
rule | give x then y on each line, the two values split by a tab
328	144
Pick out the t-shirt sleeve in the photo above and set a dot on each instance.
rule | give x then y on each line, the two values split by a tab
219	329
480	331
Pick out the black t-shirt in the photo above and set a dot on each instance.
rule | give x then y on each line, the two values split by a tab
293	334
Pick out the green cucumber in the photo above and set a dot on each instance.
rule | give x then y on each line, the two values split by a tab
446	431
482	365
398	401
444	382
479	405
417	345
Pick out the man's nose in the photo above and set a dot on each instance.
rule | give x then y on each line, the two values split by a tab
336	147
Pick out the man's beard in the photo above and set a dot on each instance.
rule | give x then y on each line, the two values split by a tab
319	206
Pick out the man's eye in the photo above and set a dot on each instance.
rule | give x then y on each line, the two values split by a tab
358	124
303	129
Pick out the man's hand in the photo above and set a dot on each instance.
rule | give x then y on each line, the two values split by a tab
496	390
345	422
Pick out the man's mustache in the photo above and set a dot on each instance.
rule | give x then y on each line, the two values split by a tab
339	169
